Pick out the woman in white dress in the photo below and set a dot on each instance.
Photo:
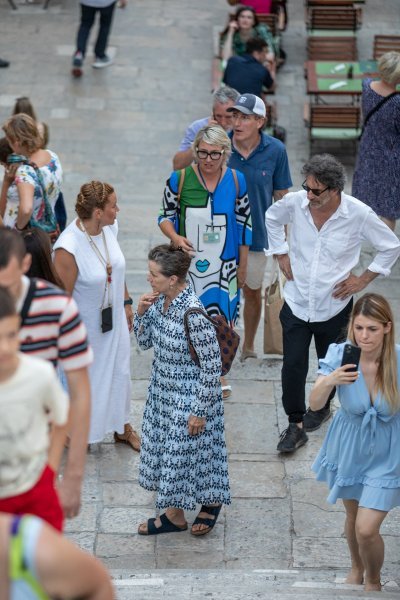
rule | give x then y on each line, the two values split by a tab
91	265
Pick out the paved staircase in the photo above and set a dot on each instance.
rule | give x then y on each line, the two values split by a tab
269	584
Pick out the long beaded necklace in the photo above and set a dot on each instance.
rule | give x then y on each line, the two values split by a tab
104	261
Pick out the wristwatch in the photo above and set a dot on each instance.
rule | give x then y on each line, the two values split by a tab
128	301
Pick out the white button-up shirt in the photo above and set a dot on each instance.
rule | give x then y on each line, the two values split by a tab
320	259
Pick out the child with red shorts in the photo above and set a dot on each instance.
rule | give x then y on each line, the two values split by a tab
33	425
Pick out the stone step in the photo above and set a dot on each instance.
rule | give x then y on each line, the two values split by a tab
270	584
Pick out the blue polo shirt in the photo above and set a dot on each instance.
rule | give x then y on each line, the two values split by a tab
265	170
247	75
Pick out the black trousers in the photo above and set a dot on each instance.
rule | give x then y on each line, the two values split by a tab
297	335
88	14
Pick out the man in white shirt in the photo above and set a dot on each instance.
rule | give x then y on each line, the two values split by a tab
327	229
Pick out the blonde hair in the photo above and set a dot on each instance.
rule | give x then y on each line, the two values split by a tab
376	307
214	135
389	67
23	129
92	195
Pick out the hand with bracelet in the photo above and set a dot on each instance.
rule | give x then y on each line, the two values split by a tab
128	309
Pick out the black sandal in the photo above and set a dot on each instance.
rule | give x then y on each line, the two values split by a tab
210	510
167	526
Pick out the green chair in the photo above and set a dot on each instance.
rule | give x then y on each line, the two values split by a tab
333	122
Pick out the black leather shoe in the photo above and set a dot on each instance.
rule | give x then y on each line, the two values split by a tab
4	63
292	438
313	419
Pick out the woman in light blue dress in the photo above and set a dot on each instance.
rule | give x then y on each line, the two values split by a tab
183	455
360	456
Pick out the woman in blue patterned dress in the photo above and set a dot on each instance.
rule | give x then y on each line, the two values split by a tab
376	177
183	455
360	458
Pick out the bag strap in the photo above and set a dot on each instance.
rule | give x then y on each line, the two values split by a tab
49	214
182	174
235	179
186	323
199	311
376	108
28	300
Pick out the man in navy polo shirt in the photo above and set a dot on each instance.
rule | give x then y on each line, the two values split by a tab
248	72
264	162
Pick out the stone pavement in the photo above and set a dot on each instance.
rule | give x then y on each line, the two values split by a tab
122	125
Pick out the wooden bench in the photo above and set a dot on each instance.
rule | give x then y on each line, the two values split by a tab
333	18
337	122
332	48
385	43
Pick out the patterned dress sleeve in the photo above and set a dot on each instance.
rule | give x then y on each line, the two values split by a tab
204	340
242	213
26	174
170	205
142	329
332	359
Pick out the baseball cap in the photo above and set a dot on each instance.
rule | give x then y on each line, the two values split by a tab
249	104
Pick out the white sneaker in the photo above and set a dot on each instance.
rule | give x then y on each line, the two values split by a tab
100	63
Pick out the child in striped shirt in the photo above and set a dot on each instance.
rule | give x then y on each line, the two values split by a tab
33	417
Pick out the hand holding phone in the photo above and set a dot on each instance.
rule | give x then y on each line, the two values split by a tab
345	374
351	356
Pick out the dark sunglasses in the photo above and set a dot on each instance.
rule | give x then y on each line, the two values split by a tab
315	192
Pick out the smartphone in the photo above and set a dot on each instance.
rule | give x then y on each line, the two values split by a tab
106	319
351	356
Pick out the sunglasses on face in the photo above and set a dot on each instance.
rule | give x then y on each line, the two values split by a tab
314	191
203	154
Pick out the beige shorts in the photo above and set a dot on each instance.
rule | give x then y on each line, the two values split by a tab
256	264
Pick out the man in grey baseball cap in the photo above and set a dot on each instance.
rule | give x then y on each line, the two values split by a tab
249	104
264	162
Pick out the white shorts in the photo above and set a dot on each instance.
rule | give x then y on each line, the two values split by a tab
256	263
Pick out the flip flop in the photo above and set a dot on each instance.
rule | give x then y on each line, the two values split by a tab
247	354
226	391
167	526
210	510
